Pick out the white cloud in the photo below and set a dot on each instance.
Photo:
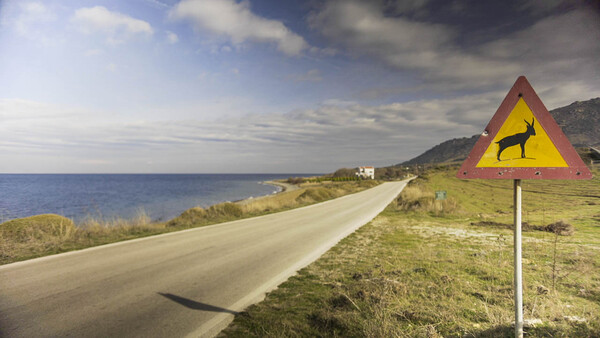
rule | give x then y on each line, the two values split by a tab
111	67
238	23
157	4
172	37
32	13
30	20
116	26
333	135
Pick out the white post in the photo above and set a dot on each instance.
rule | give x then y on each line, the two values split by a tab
518	267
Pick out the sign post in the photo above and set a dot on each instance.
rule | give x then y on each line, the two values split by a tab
522	141
518	268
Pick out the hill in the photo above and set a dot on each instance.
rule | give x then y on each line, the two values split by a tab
580	121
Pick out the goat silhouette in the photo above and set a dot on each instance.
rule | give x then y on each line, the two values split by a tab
515	139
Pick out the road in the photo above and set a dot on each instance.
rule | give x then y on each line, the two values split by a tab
187	283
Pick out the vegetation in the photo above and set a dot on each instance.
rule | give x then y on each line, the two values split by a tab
43	235
309	193
432	268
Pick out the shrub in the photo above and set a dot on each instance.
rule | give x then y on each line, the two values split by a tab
295	180
226	209
48	227
188	217
415	197
315	195
198	216
559	228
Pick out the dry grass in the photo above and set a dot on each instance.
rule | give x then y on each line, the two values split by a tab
419	198
42	235
309	193
419	270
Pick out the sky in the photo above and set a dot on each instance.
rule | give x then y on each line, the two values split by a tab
269	86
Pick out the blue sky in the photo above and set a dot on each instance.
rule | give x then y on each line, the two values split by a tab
205	86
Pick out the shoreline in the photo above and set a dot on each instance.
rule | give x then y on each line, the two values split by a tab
284	187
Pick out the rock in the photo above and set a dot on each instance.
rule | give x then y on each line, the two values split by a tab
542	290
574	319
531	323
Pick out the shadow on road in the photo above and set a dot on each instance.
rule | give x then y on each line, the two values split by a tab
192	304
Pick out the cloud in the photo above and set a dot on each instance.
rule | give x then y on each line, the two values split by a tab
539	7
406	44
327	137
116	26
157	4
335	134
172	38
313	75
237	22
30	20
556	50
558	54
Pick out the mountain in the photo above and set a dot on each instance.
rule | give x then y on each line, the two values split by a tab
452	150
580	121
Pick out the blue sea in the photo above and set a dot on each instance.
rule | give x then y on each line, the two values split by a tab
107	196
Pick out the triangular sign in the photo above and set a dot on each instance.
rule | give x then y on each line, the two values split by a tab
522	141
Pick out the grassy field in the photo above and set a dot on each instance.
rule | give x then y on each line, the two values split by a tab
44	235
427	268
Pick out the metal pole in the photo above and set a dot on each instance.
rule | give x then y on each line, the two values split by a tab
518	266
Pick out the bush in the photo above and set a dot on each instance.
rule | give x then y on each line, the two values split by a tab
227	209
198	216
188	217
345	172
295	180
315	195
415	197
559	228
37	228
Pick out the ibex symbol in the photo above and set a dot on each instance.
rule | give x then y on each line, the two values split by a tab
515	139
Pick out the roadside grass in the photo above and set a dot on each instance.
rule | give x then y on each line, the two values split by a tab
427	268
43	235
309	193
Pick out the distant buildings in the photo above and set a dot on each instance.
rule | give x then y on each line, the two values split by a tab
366	172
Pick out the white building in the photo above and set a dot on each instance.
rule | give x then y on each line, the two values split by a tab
366	172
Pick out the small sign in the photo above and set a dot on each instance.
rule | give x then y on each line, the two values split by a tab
522	141
440	195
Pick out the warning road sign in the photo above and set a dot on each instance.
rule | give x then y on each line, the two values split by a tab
522	141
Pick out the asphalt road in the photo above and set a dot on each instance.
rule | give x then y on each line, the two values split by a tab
187	283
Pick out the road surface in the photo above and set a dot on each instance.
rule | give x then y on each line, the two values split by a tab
187	283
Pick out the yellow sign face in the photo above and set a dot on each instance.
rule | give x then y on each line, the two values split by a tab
521	142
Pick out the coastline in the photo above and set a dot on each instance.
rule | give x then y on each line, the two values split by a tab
284	187
121	196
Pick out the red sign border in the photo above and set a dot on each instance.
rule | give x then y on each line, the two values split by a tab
522	89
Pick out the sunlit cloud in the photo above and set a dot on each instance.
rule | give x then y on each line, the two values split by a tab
237	22
116	26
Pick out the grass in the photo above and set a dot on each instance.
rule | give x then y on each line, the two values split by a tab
427	268
309	193
43	235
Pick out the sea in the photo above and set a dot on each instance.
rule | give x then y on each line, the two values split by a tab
110	196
